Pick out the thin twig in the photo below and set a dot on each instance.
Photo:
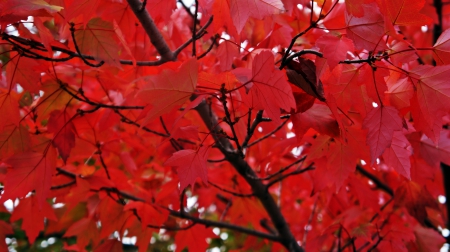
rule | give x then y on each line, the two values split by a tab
269	134
281	170
242	195
309	168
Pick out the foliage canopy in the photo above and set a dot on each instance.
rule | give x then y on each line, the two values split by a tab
229	124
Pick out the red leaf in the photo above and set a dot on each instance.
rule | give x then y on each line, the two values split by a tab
226	52
33	214
98	39
399	93
16	10
303	75
403	12
86	8
441	48
22	70
161	8
61	125
317	117
334	48
340	163
431	100
270	90
194	239
9	108
366	31
397	155
433	153
428	239
169	89
191	165
148	214
303	101
13	140
381	122
355	7
85	230
415	199
241	10
111	245
30	171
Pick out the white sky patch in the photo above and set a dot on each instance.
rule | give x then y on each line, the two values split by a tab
424	28
191	202
290	135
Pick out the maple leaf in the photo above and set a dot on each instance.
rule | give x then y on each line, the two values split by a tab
222	17
415	198
18	71
441	48
355	7
33	221
30	171
434	153
13	140
226	52
191	165
430	101
61	125
16	10
9	108
5	229
403	12
83	7
334	48
303	75
241	10
400	93
428	239
381	123
85	230
270	90
317	117
397	155
340	163
169	89
193	239
366	31
98	38
161	8
148	214
112	245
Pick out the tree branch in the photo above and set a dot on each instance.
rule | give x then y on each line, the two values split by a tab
242	167
375	180
152	31
285	235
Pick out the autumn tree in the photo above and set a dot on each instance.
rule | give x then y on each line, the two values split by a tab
263	125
